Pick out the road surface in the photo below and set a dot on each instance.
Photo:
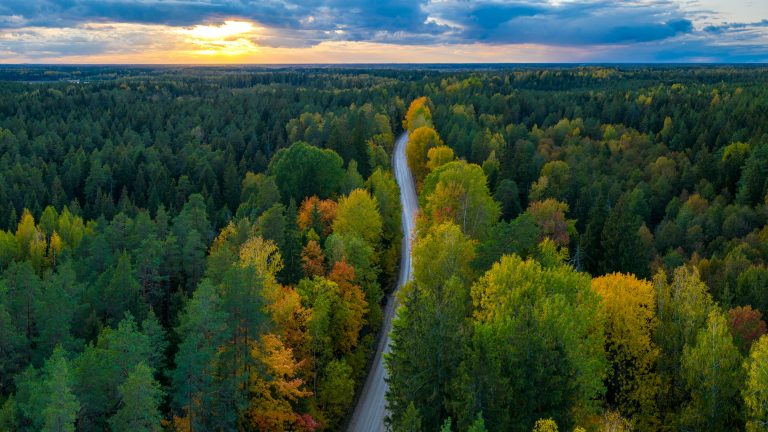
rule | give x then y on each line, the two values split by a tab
371	407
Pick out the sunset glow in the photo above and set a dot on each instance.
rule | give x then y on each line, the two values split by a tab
230	39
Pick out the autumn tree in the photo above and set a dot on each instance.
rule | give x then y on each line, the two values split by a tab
358	214
550	217
458	192
747	326
420	142
630	322
273	386
418	114
312	259
353	298
545	425
317	214
438	156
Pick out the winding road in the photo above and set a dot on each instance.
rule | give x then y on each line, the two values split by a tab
371	406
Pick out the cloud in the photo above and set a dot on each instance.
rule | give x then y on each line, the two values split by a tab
414	21
642	29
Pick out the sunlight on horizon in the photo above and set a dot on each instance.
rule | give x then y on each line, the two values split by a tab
230	39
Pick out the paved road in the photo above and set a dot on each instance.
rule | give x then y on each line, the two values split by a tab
371	407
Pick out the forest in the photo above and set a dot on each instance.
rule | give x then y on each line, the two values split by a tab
194	249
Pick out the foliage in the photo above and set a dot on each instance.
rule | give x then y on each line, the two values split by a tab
420	142
712	372
214	231
458	192
756	388
303	170
630	322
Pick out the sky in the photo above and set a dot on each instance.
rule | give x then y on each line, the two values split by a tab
382	31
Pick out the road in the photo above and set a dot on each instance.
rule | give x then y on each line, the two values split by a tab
371	406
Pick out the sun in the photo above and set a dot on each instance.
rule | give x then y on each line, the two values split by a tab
227	30
230	39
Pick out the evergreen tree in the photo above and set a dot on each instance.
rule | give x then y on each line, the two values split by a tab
140	397
623	249
61	407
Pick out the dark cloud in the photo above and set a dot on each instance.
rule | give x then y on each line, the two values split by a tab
584	23
416	21
736	26
648	25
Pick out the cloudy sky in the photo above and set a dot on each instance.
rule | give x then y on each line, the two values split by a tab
382	31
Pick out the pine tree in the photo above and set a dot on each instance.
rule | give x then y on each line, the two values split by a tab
62	406
140	397
624	250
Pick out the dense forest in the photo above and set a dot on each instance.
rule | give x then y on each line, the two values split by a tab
190	249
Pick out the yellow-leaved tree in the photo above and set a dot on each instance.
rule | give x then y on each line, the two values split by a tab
420	142
273	393
418	114
438	156
358	214
630	320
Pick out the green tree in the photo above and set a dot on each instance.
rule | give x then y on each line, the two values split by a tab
623	248
554	182
337	389
204	329
102	368
527	314
382	186
682	306
410	421
57	311
352	179
121	294
61	409
258	193
713	375
756	389
140	397
753	184
303	170
272	224
478	425
508	195
431	327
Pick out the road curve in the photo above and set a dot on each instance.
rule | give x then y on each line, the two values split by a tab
371	406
